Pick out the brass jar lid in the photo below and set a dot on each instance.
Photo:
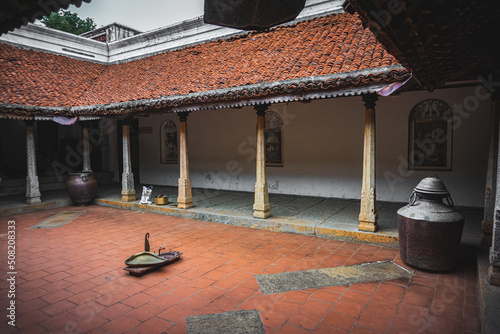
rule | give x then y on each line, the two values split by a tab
432	185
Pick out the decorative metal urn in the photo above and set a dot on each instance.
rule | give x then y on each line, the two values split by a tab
81	187
430	230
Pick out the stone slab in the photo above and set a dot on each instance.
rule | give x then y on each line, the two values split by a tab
280	199
59	219
387	214
224	197
338	276
347	214
235	204
237	322
203	194
324	209
294	207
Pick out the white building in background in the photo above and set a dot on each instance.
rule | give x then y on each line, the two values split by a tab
111	33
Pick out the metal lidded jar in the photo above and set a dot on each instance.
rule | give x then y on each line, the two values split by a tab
81	187
430	230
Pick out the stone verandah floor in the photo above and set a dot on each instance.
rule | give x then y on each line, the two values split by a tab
70	280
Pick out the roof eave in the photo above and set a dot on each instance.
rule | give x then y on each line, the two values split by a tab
308	88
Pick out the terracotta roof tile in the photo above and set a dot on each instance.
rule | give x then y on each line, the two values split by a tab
327	45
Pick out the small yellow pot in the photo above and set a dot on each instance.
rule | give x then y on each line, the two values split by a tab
161	200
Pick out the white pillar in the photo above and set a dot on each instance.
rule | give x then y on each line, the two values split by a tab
368	212
86	146
261	205
128	190
32	184
185	197
491	176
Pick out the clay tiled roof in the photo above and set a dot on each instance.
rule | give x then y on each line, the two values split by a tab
43	79
322	54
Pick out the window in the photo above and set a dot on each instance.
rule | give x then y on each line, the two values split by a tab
430	136
274	139
168	137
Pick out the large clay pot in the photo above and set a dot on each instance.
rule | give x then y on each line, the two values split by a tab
81	187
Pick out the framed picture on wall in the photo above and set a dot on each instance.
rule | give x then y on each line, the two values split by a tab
168	143
430	136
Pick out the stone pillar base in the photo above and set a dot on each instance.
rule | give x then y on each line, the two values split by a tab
185	198
261	205
33	195
494	275
128	197
128	189
184	205
263	214
33	200
368	226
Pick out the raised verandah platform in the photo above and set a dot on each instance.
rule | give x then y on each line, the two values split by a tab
331	218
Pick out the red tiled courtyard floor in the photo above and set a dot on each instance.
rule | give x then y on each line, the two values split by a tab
70	280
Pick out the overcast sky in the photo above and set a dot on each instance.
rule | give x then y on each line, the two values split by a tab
143	15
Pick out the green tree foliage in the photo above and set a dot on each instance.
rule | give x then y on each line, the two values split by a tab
69	22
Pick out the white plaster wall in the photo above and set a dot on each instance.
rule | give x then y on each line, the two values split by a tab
323	147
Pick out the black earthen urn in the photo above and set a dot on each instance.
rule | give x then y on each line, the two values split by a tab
430	230
81	187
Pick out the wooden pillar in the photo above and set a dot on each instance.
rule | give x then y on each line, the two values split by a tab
128	190
86	146
261	205
368	212
32	184
491	175
185	197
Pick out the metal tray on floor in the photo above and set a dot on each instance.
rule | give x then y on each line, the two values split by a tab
142	263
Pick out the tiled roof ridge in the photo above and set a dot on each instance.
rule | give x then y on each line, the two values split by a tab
251	33
304	22
238	35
